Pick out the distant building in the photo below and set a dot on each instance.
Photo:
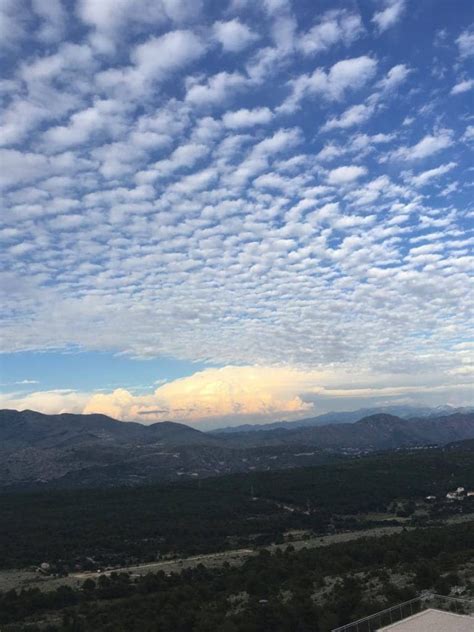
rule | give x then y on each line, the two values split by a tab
44	568
456	495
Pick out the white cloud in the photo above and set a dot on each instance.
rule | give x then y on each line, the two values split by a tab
425	177
247	118
216	89
234	36
229	392
20	167
103	115
52	402
348	74
333	27
390	15
46	89
281	140
346	174
465	43
215	393
154	60
463	86
265	63
355	115
160	54
276	7
196	182
283	32
374	190
395	76
427	146
469	133
184	156
13	23
53	18
111	18
330	151
364	142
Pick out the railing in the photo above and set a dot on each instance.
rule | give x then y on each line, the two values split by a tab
406	609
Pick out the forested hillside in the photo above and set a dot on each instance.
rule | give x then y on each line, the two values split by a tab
287	591
229	511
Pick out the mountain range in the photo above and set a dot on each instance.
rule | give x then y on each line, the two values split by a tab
31	429
350	416
95	450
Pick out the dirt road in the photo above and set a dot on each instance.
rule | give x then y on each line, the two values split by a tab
27	579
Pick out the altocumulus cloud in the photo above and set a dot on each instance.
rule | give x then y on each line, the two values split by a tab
268	187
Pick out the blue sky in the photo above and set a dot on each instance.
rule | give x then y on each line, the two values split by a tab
227	211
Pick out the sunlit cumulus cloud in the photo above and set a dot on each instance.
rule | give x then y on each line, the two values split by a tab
229	392
232	395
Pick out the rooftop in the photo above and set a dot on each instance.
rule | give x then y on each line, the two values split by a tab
428	612
433	621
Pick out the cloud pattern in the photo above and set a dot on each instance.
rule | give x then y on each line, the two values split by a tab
257	184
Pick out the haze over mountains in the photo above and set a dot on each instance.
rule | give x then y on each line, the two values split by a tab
92	450
348	416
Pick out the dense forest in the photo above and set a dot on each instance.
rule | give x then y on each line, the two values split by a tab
362	484
125	525
312	590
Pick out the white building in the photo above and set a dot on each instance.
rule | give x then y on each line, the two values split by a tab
432	621
431	616
457	495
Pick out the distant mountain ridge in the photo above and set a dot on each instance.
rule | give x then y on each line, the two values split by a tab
375	432
29	428
96	450
405	412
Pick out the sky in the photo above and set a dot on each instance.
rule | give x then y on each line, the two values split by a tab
227	211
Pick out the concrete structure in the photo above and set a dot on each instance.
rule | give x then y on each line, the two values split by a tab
427	613
432	621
